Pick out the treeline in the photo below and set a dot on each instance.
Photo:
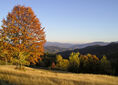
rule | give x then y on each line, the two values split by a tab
78	63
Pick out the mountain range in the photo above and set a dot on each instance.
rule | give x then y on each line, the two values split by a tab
57	44
55	47
70	45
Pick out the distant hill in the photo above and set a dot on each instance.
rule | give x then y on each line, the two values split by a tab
55	47
110	50
89	44
57	44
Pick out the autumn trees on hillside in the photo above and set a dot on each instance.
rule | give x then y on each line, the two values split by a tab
22	36
88	63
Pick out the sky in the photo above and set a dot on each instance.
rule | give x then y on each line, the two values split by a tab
72	21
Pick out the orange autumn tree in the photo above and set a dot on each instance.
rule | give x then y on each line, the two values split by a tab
5	57
23	31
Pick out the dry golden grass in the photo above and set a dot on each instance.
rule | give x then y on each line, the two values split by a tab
11	76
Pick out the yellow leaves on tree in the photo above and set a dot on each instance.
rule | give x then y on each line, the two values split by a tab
23	31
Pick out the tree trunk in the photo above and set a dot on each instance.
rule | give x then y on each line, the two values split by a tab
5	61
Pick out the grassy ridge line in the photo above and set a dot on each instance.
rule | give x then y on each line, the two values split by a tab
10	76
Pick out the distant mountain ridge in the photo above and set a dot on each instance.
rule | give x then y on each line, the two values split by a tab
55	47
110	50
89	44
57	44
74	46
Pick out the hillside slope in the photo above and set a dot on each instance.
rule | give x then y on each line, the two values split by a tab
11	76
110	50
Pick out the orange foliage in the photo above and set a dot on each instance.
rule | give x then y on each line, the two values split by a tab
23	31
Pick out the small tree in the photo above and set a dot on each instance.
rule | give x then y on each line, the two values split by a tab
59	59
61	63
105	65
93	63
53	65
83	63
74	62
64	64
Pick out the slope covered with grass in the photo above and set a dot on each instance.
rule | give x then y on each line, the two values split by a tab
10	76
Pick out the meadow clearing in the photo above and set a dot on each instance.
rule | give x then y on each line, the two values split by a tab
30	76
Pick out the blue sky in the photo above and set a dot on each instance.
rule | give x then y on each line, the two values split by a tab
72	21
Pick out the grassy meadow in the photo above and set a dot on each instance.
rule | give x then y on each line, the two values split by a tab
11	76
